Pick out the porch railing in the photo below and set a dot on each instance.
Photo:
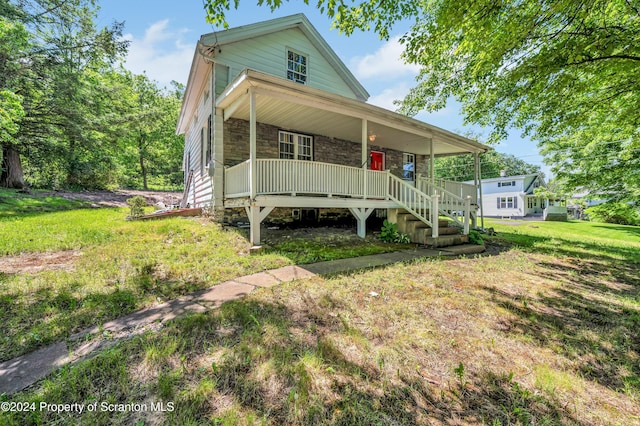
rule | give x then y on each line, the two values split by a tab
415	201
298	177
237	180
459	189
276	176
455	207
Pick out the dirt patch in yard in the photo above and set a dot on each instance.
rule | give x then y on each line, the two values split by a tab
36	262
115	198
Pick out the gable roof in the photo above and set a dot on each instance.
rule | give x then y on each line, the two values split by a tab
213	41
508	178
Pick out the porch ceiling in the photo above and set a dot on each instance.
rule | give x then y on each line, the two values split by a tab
299	108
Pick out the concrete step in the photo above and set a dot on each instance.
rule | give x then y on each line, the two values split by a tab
420	235
464	249
446	240
404	220
448	230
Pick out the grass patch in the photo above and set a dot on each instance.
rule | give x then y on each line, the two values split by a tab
546	331
537	334
117	267
331	247
14	204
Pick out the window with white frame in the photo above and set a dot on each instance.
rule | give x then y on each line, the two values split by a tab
507	203
297	67
532	202
408	166
208	153
510	183
203	149
295	146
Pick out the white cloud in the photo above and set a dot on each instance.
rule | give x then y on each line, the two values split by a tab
162	53
385	98
398	91
385	63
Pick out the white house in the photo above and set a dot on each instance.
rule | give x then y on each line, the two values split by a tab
274	120
512	196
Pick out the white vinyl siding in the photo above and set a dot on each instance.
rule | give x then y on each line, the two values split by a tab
294	146
268	54
196	149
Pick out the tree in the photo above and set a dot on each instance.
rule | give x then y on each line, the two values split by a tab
150	148
563	72
13	43
56	82
461	167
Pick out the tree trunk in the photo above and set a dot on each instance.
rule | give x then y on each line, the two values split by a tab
11	176
144	173
143	168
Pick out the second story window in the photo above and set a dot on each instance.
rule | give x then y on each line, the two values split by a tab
297	67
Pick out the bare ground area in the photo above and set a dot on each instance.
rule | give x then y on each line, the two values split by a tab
116	198
36	262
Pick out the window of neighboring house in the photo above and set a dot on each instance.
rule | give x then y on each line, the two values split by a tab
297	67
507	203
295	146
501	184
408	166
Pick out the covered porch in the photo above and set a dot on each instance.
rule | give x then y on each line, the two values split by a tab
260	184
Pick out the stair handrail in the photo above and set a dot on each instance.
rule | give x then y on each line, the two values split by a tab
447	200
414	201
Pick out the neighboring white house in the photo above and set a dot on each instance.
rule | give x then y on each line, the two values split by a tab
512	196
273	119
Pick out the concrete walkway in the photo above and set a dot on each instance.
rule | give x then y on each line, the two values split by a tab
23	371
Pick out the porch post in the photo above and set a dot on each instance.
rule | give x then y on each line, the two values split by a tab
432	172
218	163
467	214
361	215
476	164
252	145
476	159
364	158
435	217
256	215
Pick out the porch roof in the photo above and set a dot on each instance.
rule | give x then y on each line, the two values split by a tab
294	106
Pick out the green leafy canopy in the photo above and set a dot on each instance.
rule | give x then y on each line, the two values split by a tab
563	72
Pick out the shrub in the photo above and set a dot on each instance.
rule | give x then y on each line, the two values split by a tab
137	205
389	234
475	237
614	212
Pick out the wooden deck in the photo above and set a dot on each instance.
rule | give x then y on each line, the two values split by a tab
298	183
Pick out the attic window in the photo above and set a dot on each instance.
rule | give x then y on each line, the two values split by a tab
297	67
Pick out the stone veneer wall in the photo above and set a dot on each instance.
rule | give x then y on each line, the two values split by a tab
325	149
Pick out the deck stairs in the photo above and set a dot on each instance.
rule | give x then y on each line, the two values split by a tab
420	233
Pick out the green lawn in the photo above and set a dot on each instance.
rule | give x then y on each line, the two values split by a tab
545	331
117	266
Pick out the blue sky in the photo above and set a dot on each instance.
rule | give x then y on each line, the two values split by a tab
163	35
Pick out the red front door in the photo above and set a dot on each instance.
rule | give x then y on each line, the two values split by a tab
377	160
